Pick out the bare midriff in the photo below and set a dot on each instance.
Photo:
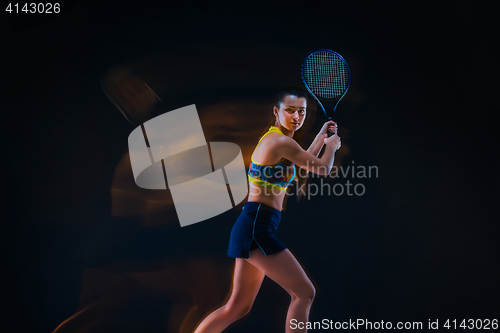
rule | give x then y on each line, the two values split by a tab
267	196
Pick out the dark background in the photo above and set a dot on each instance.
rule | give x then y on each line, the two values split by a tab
420	244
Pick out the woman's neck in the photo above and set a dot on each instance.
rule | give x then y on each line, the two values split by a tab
285	131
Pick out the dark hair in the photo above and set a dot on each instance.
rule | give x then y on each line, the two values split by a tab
290	90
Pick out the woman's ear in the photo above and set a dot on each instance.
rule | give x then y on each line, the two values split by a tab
275	111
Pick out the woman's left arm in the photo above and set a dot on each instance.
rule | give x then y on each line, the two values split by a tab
318	142
316	145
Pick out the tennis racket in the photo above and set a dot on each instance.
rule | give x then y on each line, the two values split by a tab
327	77
135	100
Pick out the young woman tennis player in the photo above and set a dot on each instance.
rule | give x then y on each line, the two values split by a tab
257	251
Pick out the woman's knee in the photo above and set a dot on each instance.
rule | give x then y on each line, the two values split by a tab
237	311
305	292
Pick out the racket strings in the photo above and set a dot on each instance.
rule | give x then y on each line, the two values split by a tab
326	74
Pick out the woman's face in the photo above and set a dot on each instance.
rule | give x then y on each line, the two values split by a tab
291	112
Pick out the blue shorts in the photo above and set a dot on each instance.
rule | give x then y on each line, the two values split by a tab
255	228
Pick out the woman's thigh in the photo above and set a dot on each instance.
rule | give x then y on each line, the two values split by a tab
247	280
284	269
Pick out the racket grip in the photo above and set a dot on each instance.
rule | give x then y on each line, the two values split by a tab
330	133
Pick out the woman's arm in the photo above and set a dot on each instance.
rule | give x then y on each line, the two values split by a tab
318	142
316	145
288	148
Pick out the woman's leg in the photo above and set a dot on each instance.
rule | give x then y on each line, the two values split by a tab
285	270
247	280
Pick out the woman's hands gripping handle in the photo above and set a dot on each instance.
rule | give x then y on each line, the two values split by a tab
329	132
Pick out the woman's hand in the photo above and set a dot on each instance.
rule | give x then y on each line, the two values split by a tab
329	126
333	141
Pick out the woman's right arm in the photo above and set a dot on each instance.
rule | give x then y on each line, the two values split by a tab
292	151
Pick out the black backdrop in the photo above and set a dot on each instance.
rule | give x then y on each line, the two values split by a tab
420	244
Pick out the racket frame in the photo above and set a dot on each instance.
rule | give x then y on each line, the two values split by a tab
326	99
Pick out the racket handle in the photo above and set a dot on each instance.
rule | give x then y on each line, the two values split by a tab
328	132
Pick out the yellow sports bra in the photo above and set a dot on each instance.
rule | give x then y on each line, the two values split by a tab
277	176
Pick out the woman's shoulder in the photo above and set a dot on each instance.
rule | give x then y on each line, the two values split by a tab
275	139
